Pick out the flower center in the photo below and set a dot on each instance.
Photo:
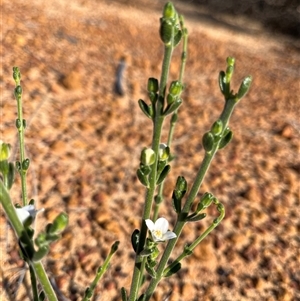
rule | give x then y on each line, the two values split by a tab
157	233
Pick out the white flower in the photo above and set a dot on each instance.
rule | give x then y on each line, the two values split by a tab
159	230
27	211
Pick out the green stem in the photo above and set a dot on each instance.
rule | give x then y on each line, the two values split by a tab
228	109
174	117
100	272
214	224
157	128
21	130
22	235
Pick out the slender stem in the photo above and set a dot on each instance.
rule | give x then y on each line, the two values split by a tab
213	225
157	128
227	111
175	114
100	272
22	235
33	284
21	129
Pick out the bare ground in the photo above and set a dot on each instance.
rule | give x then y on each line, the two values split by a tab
84	142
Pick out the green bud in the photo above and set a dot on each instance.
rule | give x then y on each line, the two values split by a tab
169	10
174	118
158	199
230	61
148	156
152	85
229	73
18	92
181	184
217	128
16	75
4	151
244	87
59	224
205	201
226	139
18	123
114	247
208	141
166	31
175	88
163	152
25	164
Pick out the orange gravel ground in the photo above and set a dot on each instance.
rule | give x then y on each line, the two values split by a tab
84	142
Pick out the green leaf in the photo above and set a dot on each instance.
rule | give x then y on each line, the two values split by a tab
163	174
196	218
173	107
225	140
135	239
147	110
142	177
173	270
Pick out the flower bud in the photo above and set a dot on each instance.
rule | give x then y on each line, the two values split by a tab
59	224
4	151
175	88
217	128
166	31
208	141
163	152
147	156
169	10
152	85
205	201
245	86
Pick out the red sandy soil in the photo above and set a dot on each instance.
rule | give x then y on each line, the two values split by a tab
84	143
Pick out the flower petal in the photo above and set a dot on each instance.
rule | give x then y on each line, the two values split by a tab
23	214
169	235
149	224
162	224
